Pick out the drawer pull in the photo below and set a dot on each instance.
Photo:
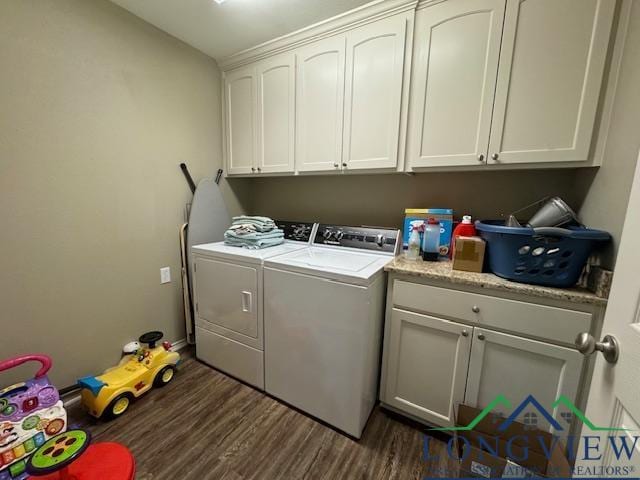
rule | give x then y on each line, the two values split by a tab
481	336
475	309
465	333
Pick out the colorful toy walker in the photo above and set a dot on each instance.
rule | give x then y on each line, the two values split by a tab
110	395
30	414
69	456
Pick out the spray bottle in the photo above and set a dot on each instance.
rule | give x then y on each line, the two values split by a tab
413	252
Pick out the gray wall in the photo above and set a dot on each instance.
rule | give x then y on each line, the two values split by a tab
381	199
608	191
97	109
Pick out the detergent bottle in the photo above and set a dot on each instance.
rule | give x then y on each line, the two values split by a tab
466	228
413	252
431	240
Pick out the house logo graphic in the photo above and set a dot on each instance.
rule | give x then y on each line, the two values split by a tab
528	403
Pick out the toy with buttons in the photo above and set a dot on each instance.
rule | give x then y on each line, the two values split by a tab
30	413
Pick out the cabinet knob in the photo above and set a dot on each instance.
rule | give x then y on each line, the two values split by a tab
253	169
336	165
465	333
344	164
481	336
481	157
495	156
259	169
475	309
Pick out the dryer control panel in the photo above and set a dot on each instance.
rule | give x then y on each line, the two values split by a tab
365	238
298	231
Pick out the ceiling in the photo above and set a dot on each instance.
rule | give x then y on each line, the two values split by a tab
221	30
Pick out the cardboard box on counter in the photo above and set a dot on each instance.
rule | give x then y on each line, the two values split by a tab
468	254
518	451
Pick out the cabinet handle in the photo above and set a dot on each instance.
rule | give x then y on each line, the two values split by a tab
481	336
475	309
465	333
481	157
495	156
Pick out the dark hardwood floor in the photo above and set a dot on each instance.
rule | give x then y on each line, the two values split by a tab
206	425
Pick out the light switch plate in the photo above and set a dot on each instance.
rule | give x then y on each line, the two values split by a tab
165	275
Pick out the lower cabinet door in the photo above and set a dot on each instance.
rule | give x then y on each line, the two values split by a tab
524	371
426	366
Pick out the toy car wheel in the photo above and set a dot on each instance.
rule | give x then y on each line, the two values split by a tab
118	406
164	376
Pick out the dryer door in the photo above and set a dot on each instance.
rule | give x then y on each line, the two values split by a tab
227	299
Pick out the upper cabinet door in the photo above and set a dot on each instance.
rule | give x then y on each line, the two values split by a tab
276	114
456	53
241	120
373	93
319	105
551	67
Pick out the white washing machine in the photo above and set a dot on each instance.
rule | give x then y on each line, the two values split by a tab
228	292
324	314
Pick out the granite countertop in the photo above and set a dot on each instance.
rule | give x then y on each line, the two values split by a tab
442	271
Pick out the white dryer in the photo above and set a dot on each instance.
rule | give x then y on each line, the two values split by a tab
228	292
324	313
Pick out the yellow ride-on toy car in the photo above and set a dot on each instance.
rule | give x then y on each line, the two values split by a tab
109	395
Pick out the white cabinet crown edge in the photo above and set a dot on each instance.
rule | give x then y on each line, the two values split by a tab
362	15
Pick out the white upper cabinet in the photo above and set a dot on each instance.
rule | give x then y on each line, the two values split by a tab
240	120
373	94
319	105
276	114
551	68
456	51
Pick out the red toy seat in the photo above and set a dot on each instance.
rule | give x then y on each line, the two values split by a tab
101	461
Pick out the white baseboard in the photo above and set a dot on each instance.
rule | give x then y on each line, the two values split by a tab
179	345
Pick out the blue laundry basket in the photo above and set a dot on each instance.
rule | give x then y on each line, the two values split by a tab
550	256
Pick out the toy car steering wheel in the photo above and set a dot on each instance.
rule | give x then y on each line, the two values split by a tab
150	338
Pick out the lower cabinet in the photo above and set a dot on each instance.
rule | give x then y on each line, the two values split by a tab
517	367
431	365
426	366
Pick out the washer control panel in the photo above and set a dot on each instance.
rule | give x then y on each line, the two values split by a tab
365	238
299	231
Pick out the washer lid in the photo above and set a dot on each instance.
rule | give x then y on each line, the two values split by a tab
343	265
240	254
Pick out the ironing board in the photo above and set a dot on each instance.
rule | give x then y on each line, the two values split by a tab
208	221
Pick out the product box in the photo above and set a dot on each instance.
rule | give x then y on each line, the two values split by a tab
468	254
443	215
519	451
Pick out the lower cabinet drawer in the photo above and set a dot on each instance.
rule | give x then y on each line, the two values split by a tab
241	361
426	361
555	324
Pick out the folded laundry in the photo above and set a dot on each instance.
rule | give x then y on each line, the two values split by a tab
254	244
253	232
261	224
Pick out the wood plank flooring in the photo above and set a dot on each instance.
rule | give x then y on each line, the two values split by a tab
206	425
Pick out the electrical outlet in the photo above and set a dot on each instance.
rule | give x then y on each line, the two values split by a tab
165	274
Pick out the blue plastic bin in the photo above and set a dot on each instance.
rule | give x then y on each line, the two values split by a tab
550	256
